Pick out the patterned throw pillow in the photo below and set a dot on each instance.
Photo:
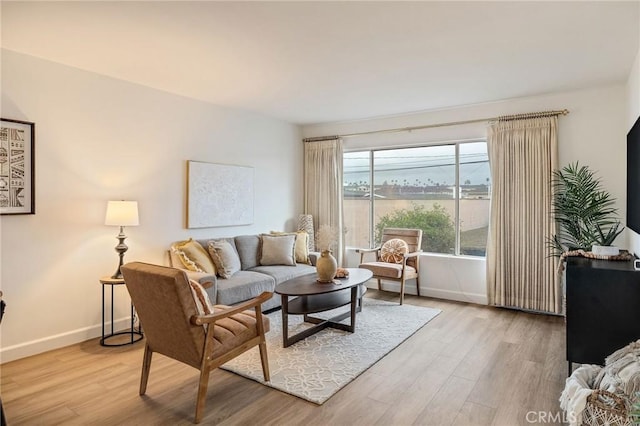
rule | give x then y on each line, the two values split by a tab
193	256
200	296
224	257
393	251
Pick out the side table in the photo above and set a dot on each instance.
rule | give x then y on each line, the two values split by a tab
136	335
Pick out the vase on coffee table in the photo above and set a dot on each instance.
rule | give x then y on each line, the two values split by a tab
326	267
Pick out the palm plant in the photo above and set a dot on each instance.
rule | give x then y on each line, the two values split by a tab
584	211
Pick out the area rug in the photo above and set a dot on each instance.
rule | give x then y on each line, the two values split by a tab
320	365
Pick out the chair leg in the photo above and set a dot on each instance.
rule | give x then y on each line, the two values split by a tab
202	393
146	366
265	361
418	286
402	291
379	288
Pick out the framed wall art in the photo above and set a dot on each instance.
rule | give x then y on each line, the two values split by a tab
219	195
17	167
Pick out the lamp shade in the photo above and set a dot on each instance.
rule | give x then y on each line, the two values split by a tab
122	213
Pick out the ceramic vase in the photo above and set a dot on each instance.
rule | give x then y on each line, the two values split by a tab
326	266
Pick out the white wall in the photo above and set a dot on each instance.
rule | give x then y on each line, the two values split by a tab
592	134
633	112
100	139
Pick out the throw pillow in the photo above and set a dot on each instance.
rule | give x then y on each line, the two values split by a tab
193	256
200	296
301	247
393	251
224	257
278	250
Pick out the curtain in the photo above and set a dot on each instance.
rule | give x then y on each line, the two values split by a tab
323	187
520	268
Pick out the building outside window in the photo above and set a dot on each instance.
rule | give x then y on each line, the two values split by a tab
442	189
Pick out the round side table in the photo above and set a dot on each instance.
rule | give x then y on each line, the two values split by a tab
136	335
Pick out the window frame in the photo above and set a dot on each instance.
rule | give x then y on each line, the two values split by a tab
456	144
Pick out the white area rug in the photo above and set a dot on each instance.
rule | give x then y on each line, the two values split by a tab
320	365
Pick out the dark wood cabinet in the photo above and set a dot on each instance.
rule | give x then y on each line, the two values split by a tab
602	308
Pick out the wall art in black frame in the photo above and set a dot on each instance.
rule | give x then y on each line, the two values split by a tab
17	167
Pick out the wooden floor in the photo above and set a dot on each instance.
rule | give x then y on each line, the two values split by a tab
471	365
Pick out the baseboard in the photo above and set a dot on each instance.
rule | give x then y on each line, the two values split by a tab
456	295
57	341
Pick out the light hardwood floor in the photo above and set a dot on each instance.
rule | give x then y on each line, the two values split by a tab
471	365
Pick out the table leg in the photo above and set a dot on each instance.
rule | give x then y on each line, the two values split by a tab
102	340
132	323
112	309
285	320
354	302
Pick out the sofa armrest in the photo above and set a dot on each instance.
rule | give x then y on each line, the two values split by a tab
313	257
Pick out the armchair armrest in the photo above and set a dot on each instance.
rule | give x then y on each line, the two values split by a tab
313	257
414	254
364	251
251	303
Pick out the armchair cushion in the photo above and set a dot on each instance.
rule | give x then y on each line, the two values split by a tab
393	251
389	270
235	330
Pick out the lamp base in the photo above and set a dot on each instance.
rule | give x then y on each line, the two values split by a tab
121	248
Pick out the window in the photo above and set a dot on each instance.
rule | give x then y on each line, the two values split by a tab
442	189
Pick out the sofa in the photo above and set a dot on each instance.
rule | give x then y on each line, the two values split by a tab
236	269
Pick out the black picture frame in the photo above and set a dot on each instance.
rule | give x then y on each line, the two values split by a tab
17	167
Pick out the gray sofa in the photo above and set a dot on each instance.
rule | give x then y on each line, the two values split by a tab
252	279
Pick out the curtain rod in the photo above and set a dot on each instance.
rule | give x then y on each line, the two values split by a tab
451	123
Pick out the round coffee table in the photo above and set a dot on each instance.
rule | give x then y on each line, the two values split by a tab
308	296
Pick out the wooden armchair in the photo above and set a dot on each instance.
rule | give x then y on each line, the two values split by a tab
173	326
395	260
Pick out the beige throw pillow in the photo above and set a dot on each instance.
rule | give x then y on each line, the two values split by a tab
224	257
193	256
301	246
393	251
278	250
200	296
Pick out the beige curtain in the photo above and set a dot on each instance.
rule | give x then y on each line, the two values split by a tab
520	269
323	187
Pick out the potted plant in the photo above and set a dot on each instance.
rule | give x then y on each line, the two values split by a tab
584	212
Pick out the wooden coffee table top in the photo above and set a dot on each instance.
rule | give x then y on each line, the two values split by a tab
307	285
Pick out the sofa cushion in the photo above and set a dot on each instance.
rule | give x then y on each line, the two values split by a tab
282	273
278	250
243	285
225	257
301	247
193	256
248	248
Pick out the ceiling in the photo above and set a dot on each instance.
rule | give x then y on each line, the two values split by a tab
313	62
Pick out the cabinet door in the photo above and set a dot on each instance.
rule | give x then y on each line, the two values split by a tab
603	309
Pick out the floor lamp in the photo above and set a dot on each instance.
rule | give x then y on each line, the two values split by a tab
121	213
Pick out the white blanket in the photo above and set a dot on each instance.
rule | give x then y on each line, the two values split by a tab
578	387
